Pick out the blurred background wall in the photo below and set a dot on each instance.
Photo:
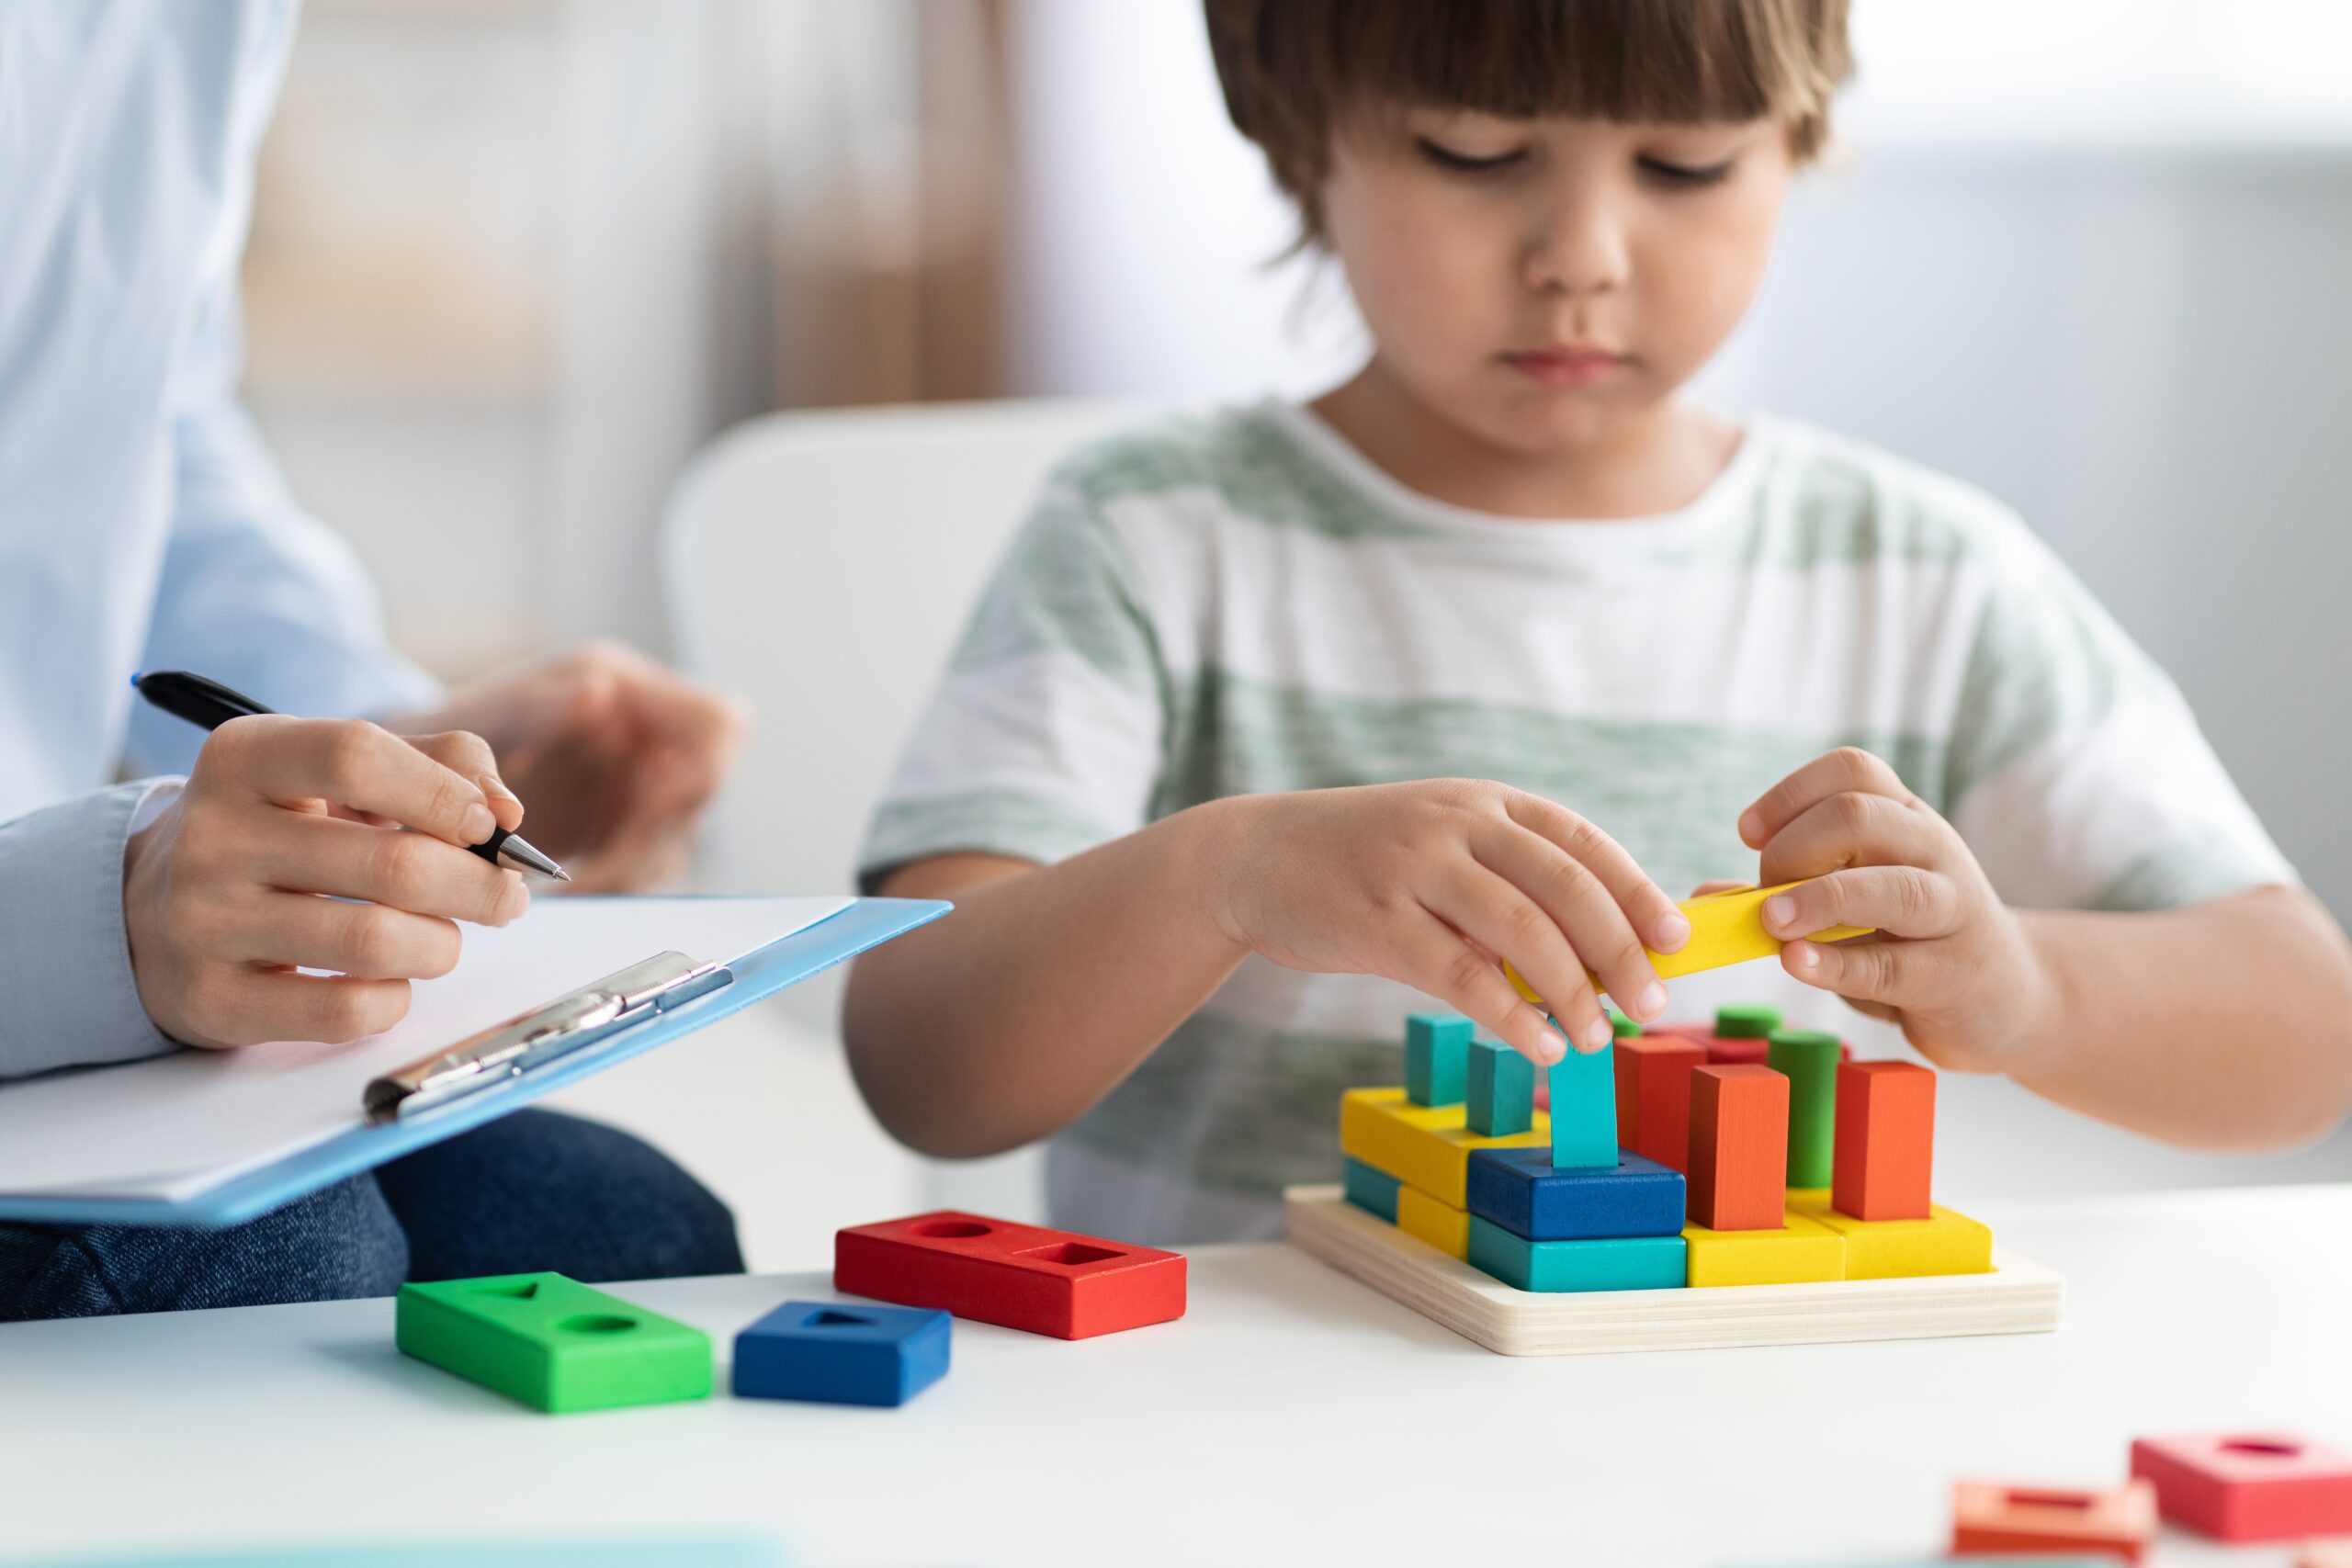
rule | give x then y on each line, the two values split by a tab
515	261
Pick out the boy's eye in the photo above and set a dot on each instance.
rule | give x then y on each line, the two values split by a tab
1673	173
1467	163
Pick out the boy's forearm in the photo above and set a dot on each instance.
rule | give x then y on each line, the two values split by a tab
1008	1018
2225	1025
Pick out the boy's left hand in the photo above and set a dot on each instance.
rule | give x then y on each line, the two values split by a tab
1949	963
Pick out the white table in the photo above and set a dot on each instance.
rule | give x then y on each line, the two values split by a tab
1293	1415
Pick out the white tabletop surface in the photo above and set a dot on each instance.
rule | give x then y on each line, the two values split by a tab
1292	1414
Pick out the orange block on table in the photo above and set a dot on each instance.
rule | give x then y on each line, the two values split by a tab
1885	1141
1654	1095
1740	1147
1989	1519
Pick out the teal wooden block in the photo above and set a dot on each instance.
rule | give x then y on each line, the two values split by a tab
1374	1192
552	1343
1500	1090
1584	1110
1611	1263
1437	1058
1808	1058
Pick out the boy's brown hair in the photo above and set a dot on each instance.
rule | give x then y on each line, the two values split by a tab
1295	70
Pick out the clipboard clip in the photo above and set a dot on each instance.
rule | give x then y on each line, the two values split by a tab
529	1040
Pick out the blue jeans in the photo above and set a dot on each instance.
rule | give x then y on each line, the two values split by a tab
533	1191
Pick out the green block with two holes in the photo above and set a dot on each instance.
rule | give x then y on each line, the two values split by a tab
552	1343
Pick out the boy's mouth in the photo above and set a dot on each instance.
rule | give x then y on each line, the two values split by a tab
1566	365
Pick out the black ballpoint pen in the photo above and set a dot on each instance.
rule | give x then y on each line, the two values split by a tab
210	704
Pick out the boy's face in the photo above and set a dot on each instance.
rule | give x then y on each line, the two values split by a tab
1545	285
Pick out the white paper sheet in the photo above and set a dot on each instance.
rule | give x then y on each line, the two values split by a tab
180	1124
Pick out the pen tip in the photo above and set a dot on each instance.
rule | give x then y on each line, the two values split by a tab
561	874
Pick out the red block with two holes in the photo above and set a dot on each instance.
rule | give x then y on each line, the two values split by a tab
1026	1277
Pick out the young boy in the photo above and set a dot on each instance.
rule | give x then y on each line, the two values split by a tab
1272	719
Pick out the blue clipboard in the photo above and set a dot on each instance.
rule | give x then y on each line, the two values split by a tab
867	922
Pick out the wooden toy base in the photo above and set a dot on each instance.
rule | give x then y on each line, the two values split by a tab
2018	1297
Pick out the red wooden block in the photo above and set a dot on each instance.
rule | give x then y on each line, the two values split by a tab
2248	1486
1739	1148
1654	1095
1885	1140
1989	1519
1046	1281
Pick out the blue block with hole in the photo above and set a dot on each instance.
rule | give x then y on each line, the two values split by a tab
1374	1192
834	1353
1501	1090
1524	1192
1437	1058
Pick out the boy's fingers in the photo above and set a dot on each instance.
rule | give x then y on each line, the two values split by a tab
1504	922
1847	768
1864	968
1656	922
1850	828
412	871
355	763
366	941
1574	898
1440	962
1901	900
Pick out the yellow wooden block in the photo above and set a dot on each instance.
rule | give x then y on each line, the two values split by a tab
1426	1146
1802	1252
1726	929
1442	1226
1943	1243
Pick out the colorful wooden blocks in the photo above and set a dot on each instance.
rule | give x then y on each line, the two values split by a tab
1426	1146
1374	1192
1437	1058
2248	1486
1809	1059
1442	1226
1943	1243
1882	1150
1654	1095
833	1354
1739	1138
1584	1110
1800	1252
552	1342
1994	1518
1026	1277
1609	1263
1522	1191
1501	1089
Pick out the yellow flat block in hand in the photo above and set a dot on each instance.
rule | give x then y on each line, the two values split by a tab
1726	929
1426	1146
1442	1226
1943	1243
1803	1253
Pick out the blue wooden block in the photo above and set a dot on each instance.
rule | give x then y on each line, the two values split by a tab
1584	1110
838	1354
1437	1056
1500	1090
1610	1263
1522	1191
1373	1192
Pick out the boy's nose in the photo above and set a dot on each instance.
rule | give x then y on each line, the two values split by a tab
1579	250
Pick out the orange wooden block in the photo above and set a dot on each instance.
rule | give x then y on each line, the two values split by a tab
1885	1140
1740	1147
1654	1095
1990	1519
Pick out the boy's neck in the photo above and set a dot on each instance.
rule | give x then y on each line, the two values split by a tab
1656	465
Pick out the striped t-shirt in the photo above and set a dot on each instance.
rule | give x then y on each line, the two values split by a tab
1242	602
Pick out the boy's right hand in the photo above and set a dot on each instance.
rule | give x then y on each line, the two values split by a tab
1433	883
221	892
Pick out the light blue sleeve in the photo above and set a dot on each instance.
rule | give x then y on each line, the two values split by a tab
64	960
256	591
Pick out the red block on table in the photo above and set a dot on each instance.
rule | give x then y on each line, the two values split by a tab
1654	1095
2248	1486
1885	1140
1739	1148
1046	1281
1989	1519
